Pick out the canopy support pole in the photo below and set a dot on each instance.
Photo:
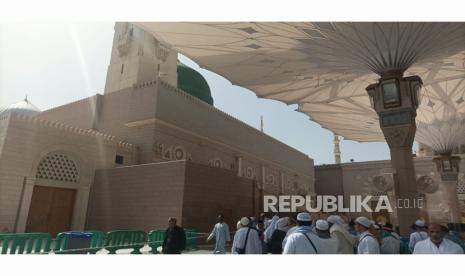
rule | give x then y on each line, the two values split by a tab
448	168
395	99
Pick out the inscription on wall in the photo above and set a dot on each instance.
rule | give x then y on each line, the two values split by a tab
249	173
160	150
216	162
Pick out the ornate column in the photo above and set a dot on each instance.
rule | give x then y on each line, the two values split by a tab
448	168
396	99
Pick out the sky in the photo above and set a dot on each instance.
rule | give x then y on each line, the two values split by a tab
57	62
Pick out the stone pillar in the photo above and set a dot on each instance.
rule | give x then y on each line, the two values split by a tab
262	176
261	187
448	167
239	165
281	182
337	150
21	221
395	99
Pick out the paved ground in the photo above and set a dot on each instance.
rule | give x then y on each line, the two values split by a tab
203	249
146	249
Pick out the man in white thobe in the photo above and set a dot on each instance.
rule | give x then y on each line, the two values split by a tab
419	234
246	239
302	240
338	230
367	244
328	244
436	243
221	234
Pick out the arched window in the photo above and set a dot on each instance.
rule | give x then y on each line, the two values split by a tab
59	167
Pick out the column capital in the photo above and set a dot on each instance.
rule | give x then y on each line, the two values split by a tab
446	163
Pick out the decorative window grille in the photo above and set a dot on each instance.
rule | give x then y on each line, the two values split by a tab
58	167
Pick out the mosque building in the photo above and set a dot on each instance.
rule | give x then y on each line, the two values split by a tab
152	146
375	178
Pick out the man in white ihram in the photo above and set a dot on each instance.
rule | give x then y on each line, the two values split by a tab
338	230
246	239
302	240
436	243
328	243
419	234
367	244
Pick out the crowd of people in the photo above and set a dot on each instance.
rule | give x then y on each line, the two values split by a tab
331	235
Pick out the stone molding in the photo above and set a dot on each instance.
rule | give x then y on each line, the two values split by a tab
68	129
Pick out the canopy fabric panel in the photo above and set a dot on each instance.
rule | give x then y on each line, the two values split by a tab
324	67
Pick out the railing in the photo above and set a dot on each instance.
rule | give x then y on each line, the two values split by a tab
25	243
125	239
61	242
42	243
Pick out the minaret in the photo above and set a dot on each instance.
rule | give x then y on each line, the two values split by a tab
136	57
337	151
261	123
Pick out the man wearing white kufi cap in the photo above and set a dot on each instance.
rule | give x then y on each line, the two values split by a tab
246	239
338	230
302	240
322	228
419	234
367	244
328	244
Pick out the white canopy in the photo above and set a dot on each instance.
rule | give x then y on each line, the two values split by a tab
324	67
441	110
440	119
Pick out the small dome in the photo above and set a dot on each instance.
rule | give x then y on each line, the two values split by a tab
193	83
23	107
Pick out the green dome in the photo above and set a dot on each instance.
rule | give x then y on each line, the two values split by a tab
193	83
